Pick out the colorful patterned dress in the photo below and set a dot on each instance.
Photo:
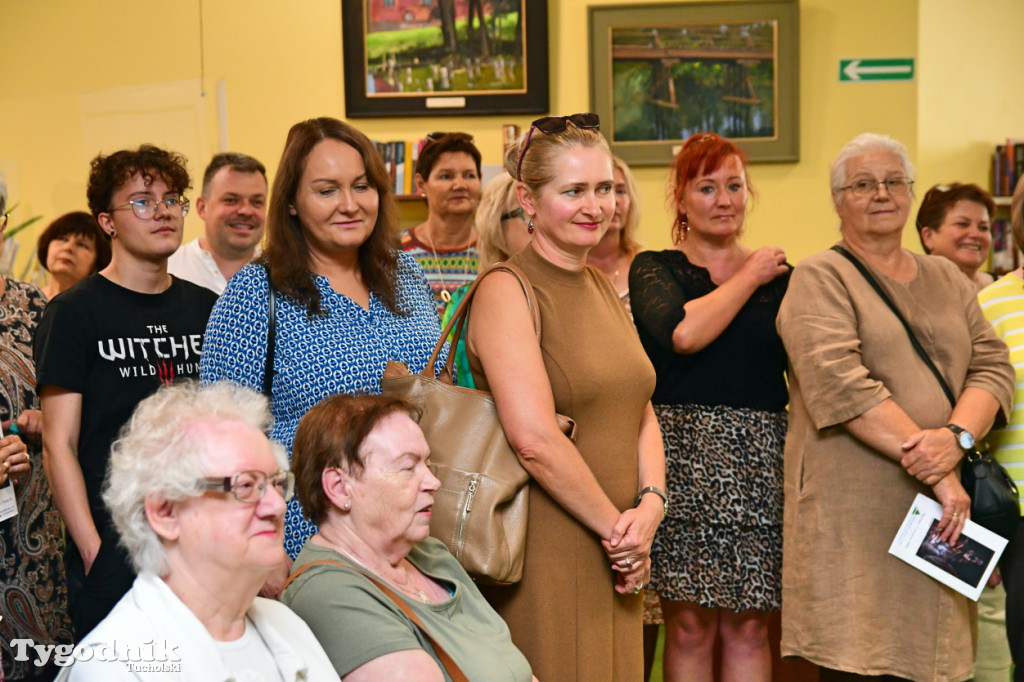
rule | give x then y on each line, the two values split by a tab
34	592
446	269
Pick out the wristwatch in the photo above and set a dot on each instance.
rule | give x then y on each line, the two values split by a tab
657	491
964	438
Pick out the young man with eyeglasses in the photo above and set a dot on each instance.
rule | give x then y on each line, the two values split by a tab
104	345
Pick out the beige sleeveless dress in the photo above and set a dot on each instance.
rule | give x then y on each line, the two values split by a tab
565	615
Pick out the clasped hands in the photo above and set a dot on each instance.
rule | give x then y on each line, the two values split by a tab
629	546
931	457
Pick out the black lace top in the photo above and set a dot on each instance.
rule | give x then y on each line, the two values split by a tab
744	367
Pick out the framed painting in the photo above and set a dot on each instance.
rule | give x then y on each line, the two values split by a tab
445	57
660	73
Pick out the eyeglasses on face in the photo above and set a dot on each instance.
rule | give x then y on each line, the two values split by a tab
145	208
893	186
556	124
250	486
514	213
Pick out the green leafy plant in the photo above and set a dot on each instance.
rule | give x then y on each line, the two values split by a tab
11	232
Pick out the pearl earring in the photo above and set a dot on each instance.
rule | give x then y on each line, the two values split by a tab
347	506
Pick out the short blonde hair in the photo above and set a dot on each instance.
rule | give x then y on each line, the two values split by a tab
537	168
628	244
498	198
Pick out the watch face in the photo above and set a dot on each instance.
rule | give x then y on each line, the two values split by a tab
966	440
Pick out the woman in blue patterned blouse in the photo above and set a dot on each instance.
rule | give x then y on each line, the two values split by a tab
348	300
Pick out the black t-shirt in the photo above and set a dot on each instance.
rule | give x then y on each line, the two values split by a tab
116	346
744	367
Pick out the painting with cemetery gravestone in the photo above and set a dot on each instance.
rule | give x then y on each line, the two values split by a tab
444	57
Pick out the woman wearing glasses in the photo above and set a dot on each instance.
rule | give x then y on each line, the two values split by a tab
705	311
594	507
347	300
106	344
198	494
870	428
445	246
955	222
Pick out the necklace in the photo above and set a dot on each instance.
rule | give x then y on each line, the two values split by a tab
445	294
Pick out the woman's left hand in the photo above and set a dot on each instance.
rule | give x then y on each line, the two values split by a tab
956	507
633	533
931	454
634	579
14	459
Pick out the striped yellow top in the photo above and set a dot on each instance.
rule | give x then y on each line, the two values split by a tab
1002	302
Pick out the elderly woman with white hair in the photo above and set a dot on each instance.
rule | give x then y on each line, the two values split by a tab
870	428
198	494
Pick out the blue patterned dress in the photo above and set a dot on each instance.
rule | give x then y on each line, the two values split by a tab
343	352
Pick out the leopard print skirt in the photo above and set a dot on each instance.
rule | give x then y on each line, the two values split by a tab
721	544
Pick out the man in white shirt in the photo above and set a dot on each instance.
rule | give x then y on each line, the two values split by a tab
234	207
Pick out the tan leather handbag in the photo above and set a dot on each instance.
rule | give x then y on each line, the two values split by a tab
480	510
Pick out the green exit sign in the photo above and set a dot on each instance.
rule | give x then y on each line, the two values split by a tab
861	70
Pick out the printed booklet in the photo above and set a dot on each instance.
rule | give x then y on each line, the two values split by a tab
965	565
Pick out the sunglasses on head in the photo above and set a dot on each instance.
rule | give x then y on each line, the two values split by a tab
556	124
431	138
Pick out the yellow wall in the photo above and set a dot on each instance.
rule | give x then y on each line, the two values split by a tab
968	105
281	62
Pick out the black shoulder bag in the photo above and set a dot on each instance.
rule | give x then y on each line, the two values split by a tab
994	500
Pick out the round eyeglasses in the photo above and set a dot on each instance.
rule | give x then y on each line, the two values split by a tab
145	208
251	486
897	187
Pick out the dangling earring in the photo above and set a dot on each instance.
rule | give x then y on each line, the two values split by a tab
347	506
680	229
529	226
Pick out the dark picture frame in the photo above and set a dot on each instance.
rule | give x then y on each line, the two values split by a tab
395	65
659	73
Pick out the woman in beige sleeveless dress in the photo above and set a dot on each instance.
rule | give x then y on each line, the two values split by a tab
594	507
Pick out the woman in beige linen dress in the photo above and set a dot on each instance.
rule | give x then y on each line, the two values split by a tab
868	432
576	614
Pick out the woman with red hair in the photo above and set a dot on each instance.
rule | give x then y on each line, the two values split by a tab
705	310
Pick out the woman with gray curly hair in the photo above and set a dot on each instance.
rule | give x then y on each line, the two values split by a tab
198	494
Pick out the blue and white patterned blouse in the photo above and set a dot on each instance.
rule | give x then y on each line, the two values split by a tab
344	352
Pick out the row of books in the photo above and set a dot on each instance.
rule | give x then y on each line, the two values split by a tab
1007	166
400	160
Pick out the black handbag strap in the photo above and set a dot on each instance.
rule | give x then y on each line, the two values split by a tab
892	306
268	371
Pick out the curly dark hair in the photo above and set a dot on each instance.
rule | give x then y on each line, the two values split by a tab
108	173
287	255
79	224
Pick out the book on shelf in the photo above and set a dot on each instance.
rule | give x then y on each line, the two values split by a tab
1007	166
